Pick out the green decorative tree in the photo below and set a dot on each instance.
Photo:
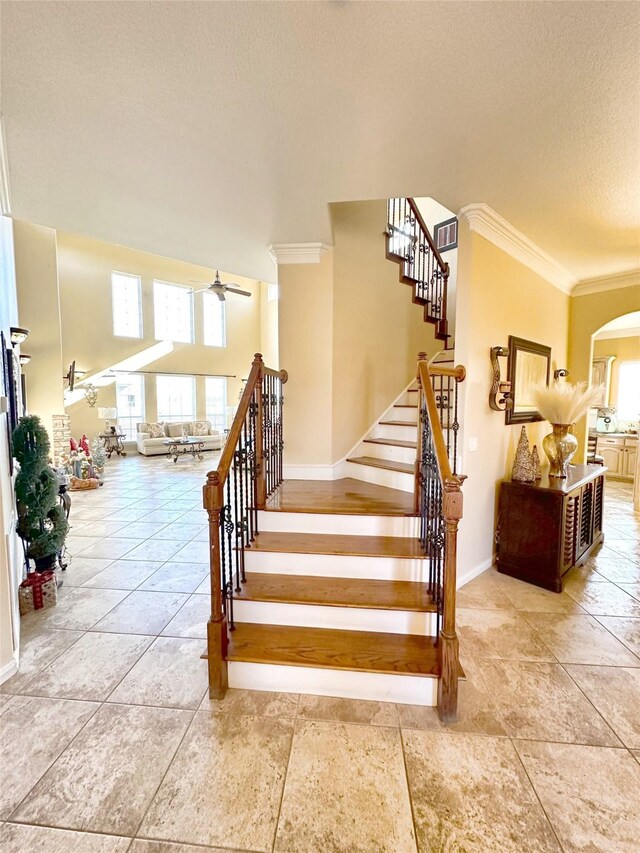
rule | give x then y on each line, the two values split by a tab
41	521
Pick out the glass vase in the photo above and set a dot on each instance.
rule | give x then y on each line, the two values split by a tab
560	446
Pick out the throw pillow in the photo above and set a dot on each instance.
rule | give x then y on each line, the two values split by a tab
199	427
174	430
143	427
156	430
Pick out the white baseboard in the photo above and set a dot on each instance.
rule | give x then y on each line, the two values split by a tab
8	670
308	472
468	575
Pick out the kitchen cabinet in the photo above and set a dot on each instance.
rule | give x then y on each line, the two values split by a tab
619	454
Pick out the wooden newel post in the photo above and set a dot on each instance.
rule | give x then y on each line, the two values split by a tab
449	654
422	356
217	636
261	482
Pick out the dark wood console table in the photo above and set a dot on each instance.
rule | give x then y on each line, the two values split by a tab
546	528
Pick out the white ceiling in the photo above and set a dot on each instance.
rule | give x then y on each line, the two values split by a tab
206	130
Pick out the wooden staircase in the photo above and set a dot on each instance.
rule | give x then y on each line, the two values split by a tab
410	244
387	455
340	588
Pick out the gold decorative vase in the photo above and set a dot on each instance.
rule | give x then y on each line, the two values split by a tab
560	446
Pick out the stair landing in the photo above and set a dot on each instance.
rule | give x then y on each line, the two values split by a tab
347	497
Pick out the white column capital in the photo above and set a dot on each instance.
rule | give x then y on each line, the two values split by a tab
297	253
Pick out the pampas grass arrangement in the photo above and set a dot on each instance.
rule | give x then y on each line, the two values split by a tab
564	403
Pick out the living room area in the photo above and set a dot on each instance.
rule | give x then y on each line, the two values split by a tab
137	353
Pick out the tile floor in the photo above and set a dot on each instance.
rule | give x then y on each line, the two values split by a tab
109	743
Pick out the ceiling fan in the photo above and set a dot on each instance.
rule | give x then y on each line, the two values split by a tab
219	288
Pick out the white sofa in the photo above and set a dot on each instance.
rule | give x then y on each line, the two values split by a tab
155	446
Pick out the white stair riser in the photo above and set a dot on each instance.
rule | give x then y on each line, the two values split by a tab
337	566
399	433
339	618
387	451
347	684
380	476
347	525
402	413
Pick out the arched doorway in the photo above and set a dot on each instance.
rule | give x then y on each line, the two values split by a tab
615	364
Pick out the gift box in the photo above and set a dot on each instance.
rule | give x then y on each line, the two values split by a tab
38	590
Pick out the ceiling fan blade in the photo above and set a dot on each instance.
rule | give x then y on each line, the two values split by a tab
239	292
202	290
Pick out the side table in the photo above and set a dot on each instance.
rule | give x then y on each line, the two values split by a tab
113	442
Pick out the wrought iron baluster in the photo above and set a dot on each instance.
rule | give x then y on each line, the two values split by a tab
228	529
455	426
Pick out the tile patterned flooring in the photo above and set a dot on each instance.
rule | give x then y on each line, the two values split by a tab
110	743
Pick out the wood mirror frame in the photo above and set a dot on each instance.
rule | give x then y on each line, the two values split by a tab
521	346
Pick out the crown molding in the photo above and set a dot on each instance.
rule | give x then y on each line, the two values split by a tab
5	201
488	224
297	253
606	282
633	332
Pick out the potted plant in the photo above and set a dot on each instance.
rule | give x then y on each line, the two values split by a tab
41	521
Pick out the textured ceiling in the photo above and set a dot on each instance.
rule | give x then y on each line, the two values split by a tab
206	130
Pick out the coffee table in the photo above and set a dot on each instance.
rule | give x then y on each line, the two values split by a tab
180	446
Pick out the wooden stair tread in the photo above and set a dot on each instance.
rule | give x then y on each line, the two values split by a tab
336	592
399	423
387	464
361	651
392	442
346	496
328	543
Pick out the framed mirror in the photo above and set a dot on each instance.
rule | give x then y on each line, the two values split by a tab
529	365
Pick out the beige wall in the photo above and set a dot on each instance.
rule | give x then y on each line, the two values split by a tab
306	352
497	297
85	267
588	314
624	349
268	326
39	310
349	337
377	330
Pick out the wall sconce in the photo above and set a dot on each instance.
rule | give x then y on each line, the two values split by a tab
24	359
91	395
18	335
501	389
561	373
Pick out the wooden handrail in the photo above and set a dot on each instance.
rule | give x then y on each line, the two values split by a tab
458	372
439	504
245	463
414	209
226	457
425	372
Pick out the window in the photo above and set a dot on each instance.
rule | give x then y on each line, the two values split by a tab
126	302
215	321
629	391
173	312
130	403
216	401
176	398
